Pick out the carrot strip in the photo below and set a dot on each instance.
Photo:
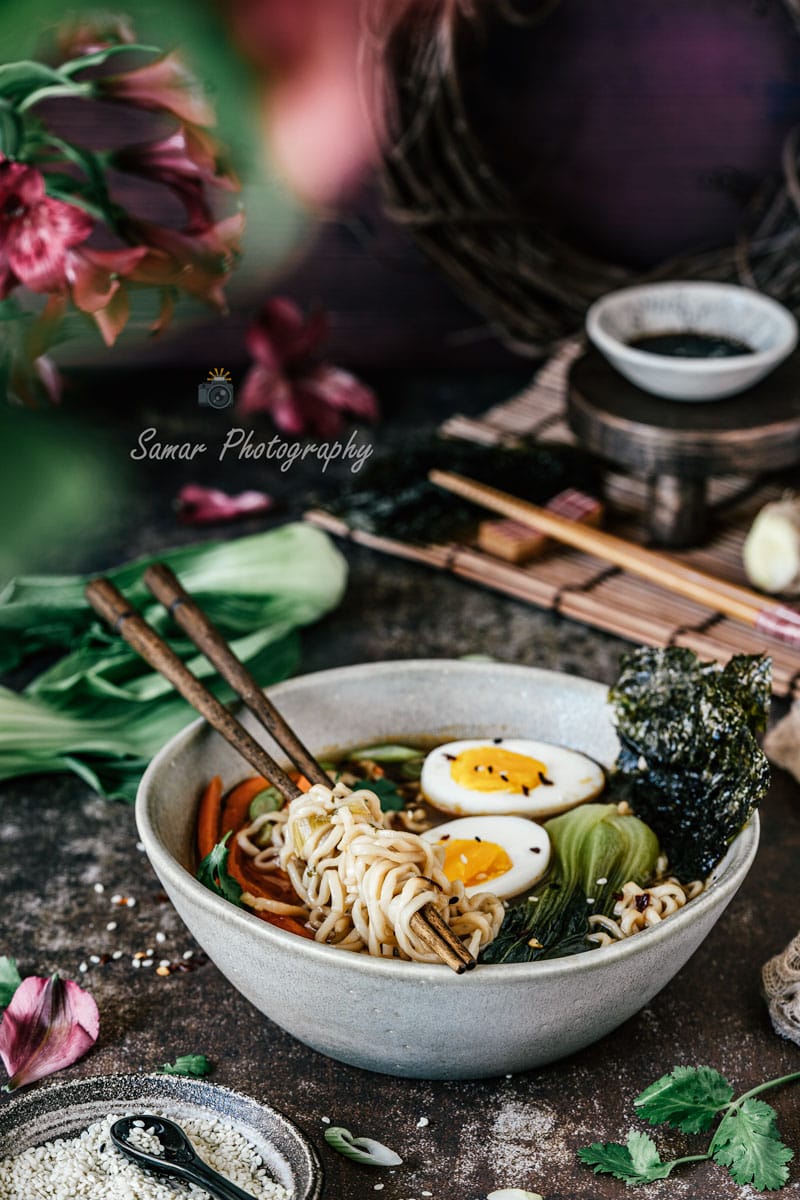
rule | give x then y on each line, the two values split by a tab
301	781
237	803
236	869
208	817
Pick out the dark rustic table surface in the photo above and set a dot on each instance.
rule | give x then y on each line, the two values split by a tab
458	1140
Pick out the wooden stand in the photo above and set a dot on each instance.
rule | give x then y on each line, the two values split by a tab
677	445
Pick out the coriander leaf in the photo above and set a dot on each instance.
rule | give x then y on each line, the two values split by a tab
636	1162
213	873
195	1065
688	1098
747	1142
10	979
386	791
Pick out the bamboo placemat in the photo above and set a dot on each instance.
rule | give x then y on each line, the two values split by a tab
585	588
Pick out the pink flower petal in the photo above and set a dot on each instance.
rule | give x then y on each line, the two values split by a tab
92	274
49	1024
339	389
199	505
165	84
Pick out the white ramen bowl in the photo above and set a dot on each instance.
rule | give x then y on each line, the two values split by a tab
720	309
415	1019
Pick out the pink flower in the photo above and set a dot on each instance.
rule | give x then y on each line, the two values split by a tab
288	382
196	261
36	231
201	506
166	85
186	162
49	1024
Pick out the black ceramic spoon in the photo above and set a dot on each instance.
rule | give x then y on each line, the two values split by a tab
179	1156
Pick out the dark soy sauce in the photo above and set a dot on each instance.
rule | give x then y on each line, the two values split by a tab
690	345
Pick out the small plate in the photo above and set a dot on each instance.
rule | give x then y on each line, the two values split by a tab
63	1110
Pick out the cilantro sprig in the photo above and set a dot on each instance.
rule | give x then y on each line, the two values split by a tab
196	1066
747	1140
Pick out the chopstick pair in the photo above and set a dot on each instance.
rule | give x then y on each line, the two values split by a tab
113	607
776	620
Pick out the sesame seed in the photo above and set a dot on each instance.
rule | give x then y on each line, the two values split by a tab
601	880
111	926
83	968
130	902
94	958
140	847
161	937
423	1123
147	962
164	962
136	962
463	859
325	1120
188	954
116	898
98	887
377	1187
590	899
117	955
150	952
163	970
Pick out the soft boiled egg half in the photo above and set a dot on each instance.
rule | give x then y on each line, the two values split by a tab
503	855
508	775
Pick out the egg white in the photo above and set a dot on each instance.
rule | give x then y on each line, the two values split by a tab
574	778
525	843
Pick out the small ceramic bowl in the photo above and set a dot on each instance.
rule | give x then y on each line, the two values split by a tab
721	310
415	1019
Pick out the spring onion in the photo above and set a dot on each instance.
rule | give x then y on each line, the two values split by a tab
362	1150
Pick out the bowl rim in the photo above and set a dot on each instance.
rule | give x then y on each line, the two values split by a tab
785	323
726	879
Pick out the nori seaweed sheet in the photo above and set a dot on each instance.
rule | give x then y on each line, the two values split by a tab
689	763
393	497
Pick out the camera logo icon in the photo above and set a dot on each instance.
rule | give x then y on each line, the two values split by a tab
217	390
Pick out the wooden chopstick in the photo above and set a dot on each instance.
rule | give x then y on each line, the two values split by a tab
110	604
166	587
114	608
776	620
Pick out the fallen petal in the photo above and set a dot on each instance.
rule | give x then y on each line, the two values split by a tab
49	1024
200	505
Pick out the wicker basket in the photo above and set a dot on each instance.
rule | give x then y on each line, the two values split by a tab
533	287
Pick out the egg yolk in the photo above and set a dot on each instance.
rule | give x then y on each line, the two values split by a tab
474	862
493	769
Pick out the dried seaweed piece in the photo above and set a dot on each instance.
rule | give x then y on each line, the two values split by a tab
393	497
689	763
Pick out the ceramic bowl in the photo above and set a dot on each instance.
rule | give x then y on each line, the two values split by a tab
721	309
414	1019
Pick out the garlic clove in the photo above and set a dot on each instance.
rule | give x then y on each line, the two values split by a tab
771	550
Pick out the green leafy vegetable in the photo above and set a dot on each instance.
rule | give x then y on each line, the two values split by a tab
361	1150
99	711
749	1144
386	791
638	1161
595	850
388	752
197	1066
689	761
10	979
270	800
213	873
747	1140
688	1098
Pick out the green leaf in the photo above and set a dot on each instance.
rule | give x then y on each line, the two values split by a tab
386	791
748	1143
638	1161
196	1066
10	979
100	56
688	1098
213	873
362	1150
20	79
